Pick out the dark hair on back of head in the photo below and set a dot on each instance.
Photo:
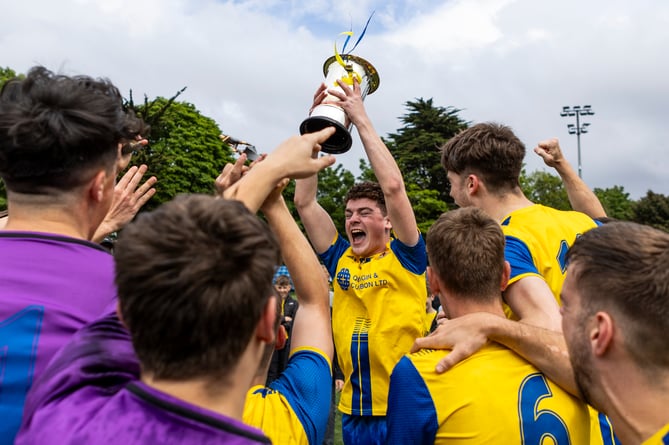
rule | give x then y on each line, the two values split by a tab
466	250
193	279
490	150
55	128
369	190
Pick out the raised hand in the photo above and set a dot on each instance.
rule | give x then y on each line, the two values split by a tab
128	199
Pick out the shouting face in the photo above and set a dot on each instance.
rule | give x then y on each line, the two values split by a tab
367	228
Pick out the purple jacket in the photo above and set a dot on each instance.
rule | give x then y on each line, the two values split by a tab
90	393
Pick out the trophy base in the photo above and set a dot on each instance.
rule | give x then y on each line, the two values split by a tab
338	143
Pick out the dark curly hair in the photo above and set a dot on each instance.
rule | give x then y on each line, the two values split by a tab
369	190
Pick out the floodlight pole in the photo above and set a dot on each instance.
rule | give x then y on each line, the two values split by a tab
579	128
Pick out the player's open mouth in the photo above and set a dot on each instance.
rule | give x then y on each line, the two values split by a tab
357	235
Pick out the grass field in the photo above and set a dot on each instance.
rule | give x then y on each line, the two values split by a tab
337	435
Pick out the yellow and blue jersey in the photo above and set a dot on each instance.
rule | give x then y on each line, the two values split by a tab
659	438
494	396
378	312
537	240
295	408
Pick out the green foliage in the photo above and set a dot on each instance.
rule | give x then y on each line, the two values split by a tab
366	172
653	210
544	188
7	74
616	202
184	152
415	146
3	196
427	206
333	184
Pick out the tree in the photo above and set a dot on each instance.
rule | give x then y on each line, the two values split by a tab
185	152
366	172
427	206
415	146
544	188
616	202
333	184
653	210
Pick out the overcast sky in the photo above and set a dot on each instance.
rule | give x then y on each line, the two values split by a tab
253	65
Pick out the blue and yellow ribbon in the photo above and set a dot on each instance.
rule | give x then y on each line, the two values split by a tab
348	79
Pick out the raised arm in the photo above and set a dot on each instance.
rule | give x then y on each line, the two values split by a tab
317	222
400	211
581	198
311	327
292	159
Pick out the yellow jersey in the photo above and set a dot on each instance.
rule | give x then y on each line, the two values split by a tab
295	408
378	311
493	397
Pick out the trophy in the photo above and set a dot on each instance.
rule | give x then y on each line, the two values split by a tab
345	67
247	148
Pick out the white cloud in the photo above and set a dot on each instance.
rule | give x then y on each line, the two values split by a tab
253	65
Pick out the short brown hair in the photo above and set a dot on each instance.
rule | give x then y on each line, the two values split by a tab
282	280
623	268
369	190
466	250
490	150
193	279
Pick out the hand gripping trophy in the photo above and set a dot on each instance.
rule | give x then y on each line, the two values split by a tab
345	67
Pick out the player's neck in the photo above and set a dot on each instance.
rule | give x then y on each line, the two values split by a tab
636	407
457	307
220	397
499	206
50	220
225	395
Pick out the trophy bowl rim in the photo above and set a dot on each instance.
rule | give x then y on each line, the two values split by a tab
372	73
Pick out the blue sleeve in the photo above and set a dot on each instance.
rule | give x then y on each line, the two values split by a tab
331	256
414	258
411	417
306	383
519	257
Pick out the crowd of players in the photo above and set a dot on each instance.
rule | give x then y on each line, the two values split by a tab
553	326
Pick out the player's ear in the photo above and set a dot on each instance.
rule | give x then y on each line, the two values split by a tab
433	281
266	329
281	337
96	186
601	333
119	315
473	184
505	276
